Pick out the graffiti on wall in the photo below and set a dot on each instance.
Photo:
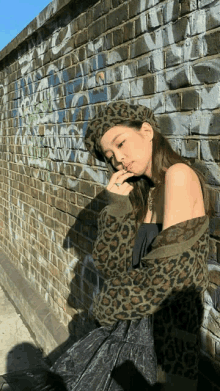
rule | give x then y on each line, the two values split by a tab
39	100
42	132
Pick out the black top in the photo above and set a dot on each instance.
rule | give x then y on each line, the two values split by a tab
145	236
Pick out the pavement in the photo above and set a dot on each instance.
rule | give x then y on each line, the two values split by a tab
18	348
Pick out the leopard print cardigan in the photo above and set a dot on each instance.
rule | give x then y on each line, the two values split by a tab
169	284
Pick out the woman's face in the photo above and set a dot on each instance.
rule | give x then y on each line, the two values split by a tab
129	148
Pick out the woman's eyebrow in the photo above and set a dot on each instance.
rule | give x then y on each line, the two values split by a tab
112	142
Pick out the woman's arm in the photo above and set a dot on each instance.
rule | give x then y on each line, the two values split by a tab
112	251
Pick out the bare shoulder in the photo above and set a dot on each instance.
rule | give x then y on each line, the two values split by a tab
182	193
180	171
182	175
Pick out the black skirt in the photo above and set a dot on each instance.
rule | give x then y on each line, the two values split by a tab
119	357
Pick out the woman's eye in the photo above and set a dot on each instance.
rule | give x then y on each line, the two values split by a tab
120	145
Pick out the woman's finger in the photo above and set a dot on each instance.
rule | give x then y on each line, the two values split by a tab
119	178
123	189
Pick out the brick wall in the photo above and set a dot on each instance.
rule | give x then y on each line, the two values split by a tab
73	57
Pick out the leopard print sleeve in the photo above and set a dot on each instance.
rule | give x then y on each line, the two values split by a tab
112	251
141	292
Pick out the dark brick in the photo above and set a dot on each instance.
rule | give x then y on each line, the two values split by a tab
168	127
89	16
69	73
179	79
196	50
214	124
187	6
171	58
60	204
117	17
87	188
173	102
139	47
82	53
81	38
211	21
80	200
190	149
136	6
106	5
180	29
121	90
148	85
144	66
118	36
117	55
96	29
207	71
212	42
34	193
218	252
73	210
190	100
171	11
213	147
108	43
81	21
138	25
116	3
97	11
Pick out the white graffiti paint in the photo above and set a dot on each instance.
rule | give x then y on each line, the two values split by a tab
57	48
196	23
33	113
71	266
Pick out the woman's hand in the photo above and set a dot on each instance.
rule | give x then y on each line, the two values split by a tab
120	177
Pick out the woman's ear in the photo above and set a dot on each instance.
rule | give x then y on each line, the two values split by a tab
147	130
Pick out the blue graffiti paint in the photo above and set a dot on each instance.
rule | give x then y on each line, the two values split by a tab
85	119
101	61
61	117
77	84
69	99
30	87
75	114
38	76
69	88
72	156
65	76
53	79
96	96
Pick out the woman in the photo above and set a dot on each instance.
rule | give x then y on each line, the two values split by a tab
151	248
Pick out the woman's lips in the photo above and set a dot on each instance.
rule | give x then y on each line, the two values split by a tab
129	166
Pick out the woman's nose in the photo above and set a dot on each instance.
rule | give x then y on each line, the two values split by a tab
119	157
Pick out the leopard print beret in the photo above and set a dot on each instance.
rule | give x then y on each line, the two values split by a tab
111	115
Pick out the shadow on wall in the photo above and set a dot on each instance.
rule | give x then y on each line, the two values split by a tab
87	281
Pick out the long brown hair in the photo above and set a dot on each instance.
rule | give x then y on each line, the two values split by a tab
162	156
